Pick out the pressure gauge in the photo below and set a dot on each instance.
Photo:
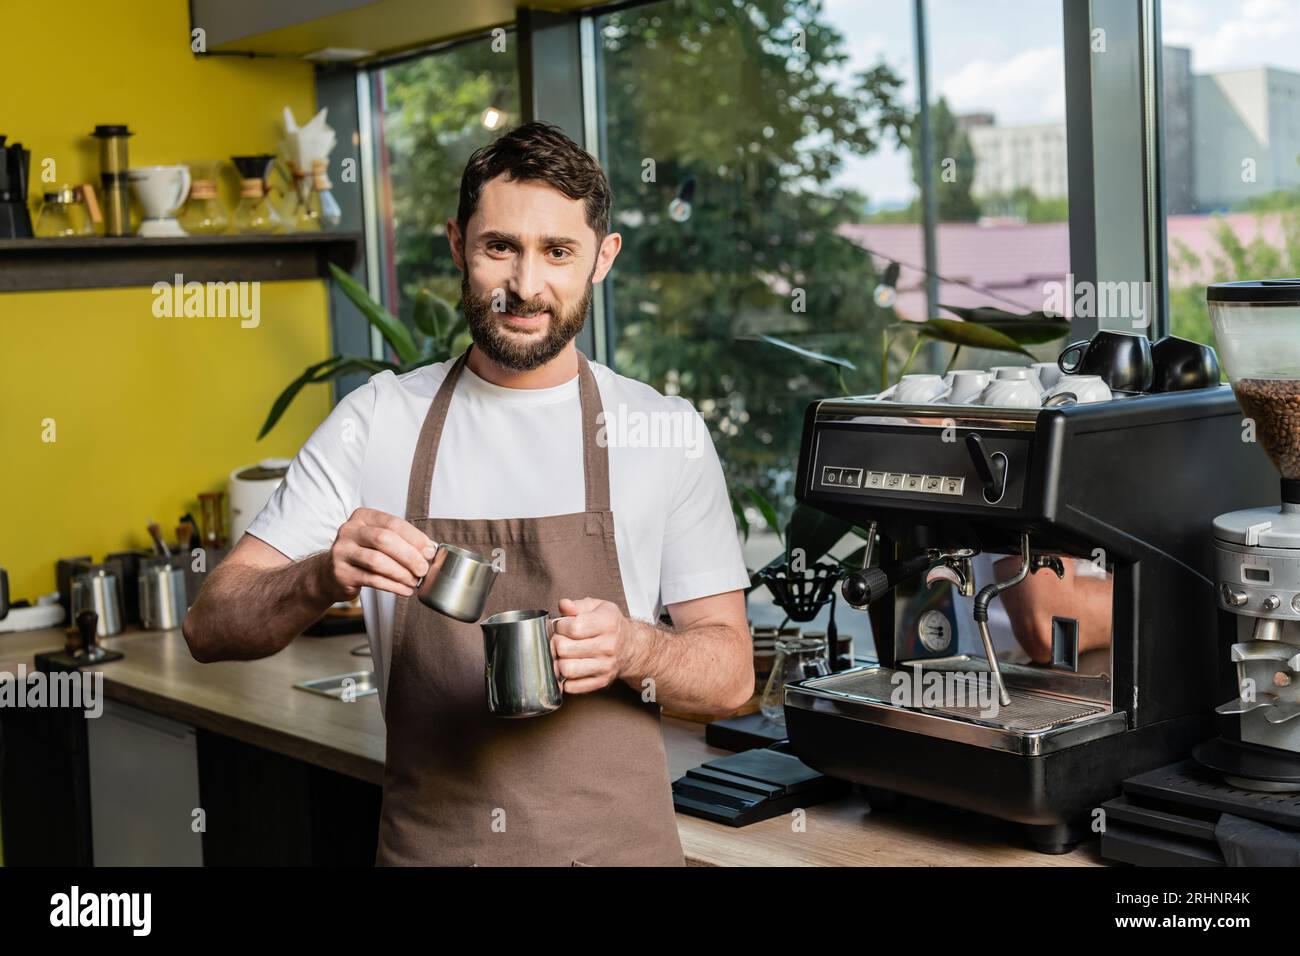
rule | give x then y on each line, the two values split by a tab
935	631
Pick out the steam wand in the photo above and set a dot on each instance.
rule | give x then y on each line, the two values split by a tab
981	614
986	596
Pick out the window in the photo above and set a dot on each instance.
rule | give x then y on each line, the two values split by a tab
767	179
432	112
1231	75
766	173
997	121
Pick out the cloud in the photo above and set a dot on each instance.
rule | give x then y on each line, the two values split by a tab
1235	36
1027	88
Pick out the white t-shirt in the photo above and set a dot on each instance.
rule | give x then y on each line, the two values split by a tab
517	453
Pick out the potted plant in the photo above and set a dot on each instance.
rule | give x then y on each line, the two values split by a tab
439	334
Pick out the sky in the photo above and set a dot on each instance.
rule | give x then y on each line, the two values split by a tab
1005	57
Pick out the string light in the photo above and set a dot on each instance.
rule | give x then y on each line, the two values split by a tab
886	293
679	210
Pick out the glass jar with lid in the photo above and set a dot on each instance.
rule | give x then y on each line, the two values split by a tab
61	215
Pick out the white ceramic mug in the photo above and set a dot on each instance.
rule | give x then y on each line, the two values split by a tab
966	384
920	389
160	191
1017	373
1012	393
1049	373
1085	389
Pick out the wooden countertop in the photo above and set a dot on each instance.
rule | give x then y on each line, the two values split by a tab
255	702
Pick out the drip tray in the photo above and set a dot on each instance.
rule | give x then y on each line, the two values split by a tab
1029	712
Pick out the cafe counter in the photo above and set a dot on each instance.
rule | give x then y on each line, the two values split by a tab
266	773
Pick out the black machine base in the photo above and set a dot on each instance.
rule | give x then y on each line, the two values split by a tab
751	786
1266	768
1169	816
1056	795
743	733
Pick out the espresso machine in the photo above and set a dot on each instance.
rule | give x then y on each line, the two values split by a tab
1037	596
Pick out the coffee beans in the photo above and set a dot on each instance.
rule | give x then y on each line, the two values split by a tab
1274	404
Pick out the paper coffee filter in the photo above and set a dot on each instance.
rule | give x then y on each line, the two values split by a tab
313	141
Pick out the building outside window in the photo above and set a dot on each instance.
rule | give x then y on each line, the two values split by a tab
1231	149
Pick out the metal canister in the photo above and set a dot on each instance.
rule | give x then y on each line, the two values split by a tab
97	592
162	596
112	177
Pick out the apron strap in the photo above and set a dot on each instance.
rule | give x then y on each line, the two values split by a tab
595	459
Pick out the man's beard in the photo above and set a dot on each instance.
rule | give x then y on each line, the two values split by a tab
506	349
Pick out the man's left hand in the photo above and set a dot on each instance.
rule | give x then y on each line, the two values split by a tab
592	645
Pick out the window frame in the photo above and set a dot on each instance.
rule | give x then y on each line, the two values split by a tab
1113	144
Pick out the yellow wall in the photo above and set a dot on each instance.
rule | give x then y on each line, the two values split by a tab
148	411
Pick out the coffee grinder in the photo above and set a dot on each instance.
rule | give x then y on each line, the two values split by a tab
1257	551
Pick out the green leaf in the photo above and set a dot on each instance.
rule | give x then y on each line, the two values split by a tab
1030	331
325	371
422	316
738	509
458	328
983	314
291	391
433	315
355	364
394	332
798	350
766	510
1029	328
970	334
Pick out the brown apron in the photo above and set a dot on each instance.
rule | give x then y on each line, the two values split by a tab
586	784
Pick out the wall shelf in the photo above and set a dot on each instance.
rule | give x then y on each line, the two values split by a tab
34	265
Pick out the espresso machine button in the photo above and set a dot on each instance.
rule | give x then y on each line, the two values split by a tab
1272	602
1234	598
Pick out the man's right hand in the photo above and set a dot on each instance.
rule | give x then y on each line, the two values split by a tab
377	550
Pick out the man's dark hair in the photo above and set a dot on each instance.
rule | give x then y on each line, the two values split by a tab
538	152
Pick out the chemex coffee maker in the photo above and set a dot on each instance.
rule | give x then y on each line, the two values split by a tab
1038	596
15	217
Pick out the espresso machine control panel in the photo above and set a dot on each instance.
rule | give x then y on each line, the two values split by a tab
971	465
